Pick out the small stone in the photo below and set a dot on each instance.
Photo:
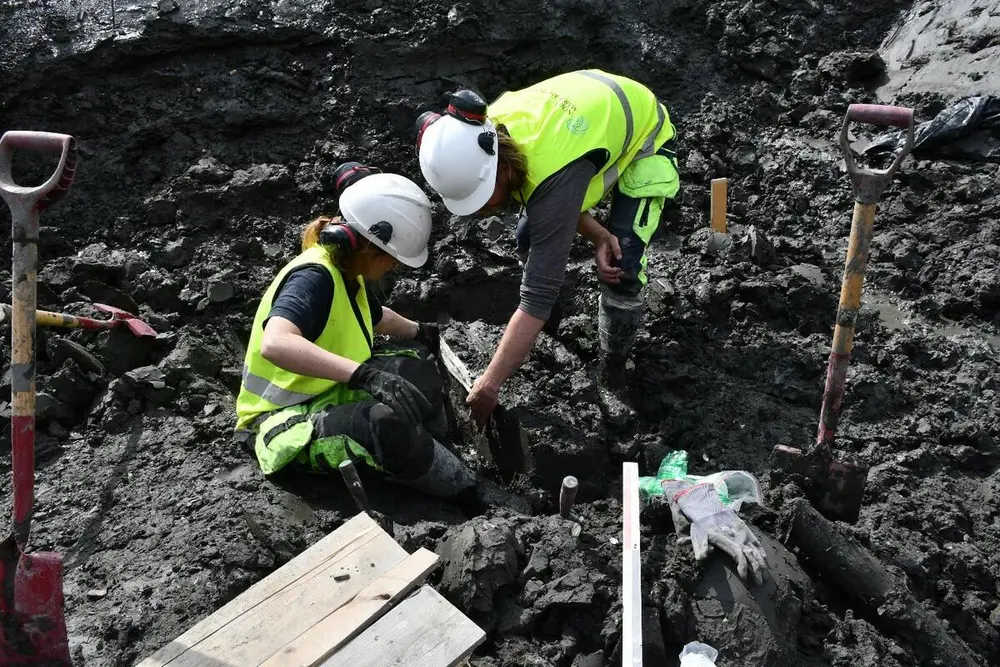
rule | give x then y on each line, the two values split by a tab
810	272
147	375
995	617
176	253
97	593
209	409
221	291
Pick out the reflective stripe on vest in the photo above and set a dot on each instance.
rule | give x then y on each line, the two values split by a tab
272	393
559	120
348	332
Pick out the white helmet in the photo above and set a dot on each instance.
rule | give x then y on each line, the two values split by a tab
392	212
458	153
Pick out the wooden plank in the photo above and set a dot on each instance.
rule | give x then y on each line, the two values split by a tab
424	630
256	624
318	642
631	568
719	192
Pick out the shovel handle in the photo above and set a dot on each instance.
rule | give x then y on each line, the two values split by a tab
869	184
880	114
58	184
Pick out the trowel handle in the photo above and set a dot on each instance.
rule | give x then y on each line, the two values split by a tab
59	182
880	114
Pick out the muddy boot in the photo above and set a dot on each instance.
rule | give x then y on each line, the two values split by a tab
618	319
446	477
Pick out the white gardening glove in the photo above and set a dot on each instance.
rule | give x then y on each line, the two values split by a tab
715	525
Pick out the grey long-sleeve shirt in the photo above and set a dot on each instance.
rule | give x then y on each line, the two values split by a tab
553	213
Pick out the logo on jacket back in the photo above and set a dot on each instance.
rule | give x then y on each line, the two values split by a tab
577	125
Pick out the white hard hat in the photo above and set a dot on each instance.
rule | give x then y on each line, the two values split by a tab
392	212
458	159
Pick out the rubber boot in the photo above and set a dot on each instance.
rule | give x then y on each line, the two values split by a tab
446	477
618	321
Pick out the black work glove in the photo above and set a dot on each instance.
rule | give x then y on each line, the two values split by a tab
396	392
429	334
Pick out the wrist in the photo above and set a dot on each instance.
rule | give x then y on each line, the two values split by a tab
416	329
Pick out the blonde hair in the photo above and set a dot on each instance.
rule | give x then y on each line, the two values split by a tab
352	263
511	157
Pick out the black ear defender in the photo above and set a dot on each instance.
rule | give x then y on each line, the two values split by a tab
340	236
350	173
464	105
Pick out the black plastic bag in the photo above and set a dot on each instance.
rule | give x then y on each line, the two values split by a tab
958	121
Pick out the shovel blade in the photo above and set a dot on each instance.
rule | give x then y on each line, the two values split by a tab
134	324
834	487
32	622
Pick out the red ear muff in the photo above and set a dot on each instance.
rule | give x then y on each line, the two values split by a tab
423	122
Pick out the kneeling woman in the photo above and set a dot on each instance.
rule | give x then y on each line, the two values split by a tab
313	392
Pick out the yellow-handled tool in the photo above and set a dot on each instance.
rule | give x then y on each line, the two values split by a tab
119	317
835	486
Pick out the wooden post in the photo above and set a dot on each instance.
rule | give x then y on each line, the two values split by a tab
719	187
631	568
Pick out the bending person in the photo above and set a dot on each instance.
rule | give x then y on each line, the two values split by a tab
314	391
557	148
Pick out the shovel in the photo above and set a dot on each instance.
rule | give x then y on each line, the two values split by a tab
118	318
32	625
836	487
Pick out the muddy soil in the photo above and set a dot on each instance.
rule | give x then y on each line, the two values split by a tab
208	134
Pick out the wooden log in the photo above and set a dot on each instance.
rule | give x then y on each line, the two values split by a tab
719	192
852	570
631	568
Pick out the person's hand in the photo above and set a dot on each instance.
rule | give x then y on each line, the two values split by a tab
482	400
429	335
606	251
396	392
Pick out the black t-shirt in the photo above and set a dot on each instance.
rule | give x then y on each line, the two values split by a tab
306	298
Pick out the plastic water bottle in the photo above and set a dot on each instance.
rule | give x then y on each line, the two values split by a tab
696	654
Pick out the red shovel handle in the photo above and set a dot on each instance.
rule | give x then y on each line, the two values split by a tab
868	184
58	184
880	114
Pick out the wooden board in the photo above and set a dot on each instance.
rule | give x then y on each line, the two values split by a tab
322	639
719	193
424	630
631	568
285	604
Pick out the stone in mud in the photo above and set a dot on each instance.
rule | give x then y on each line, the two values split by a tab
49	408
480	557
176	254
853	66
120	351
220	290
189	356
569	602
209	171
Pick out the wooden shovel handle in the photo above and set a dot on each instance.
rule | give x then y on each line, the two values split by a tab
58	184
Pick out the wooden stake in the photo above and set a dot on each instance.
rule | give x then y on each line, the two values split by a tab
719	187
631	568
